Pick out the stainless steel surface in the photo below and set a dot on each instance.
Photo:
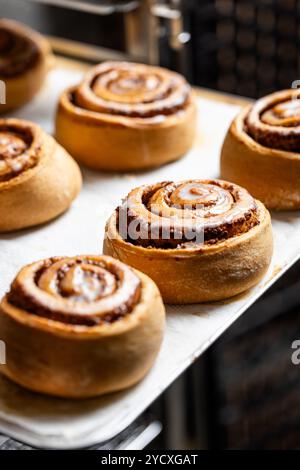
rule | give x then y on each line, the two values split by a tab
141	33
151	21
172	13
136	437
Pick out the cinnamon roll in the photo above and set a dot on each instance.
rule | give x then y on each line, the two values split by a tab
126	116
38	179
199	240
80	327
261	150
25	57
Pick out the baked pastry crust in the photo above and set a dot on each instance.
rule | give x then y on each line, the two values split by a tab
234	253
261	150
80	339
126	116
25	58
38	179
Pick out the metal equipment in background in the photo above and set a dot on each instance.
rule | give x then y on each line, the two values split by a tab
141	27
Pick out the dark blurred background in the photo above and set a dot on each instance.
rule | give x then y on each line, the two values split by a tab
247	47
243	393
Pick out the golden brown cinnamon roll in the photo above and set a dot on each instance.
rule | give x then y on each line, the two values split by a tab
261	150
126	116
81	326
199	240
38	179
24	61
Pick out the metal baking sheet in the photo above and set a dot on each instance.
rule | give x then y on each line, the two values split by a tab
57	423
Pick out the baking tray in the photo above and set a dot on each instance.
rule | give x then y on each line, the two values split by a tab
62	424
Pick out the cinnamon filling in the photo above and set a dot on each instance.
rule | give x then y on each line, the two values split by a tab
132	90
18	53
274	121
81	290
16	152
186	214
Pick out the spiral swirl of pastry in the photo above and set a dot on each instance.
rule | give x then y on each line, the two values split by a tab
132	90
19	149
274	121
171	215
82	290
18	51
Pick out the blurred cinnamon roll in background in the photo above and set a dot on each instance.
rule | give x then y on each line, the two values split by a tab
262	150
199	240
25	58
38	179
126	116
81	326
